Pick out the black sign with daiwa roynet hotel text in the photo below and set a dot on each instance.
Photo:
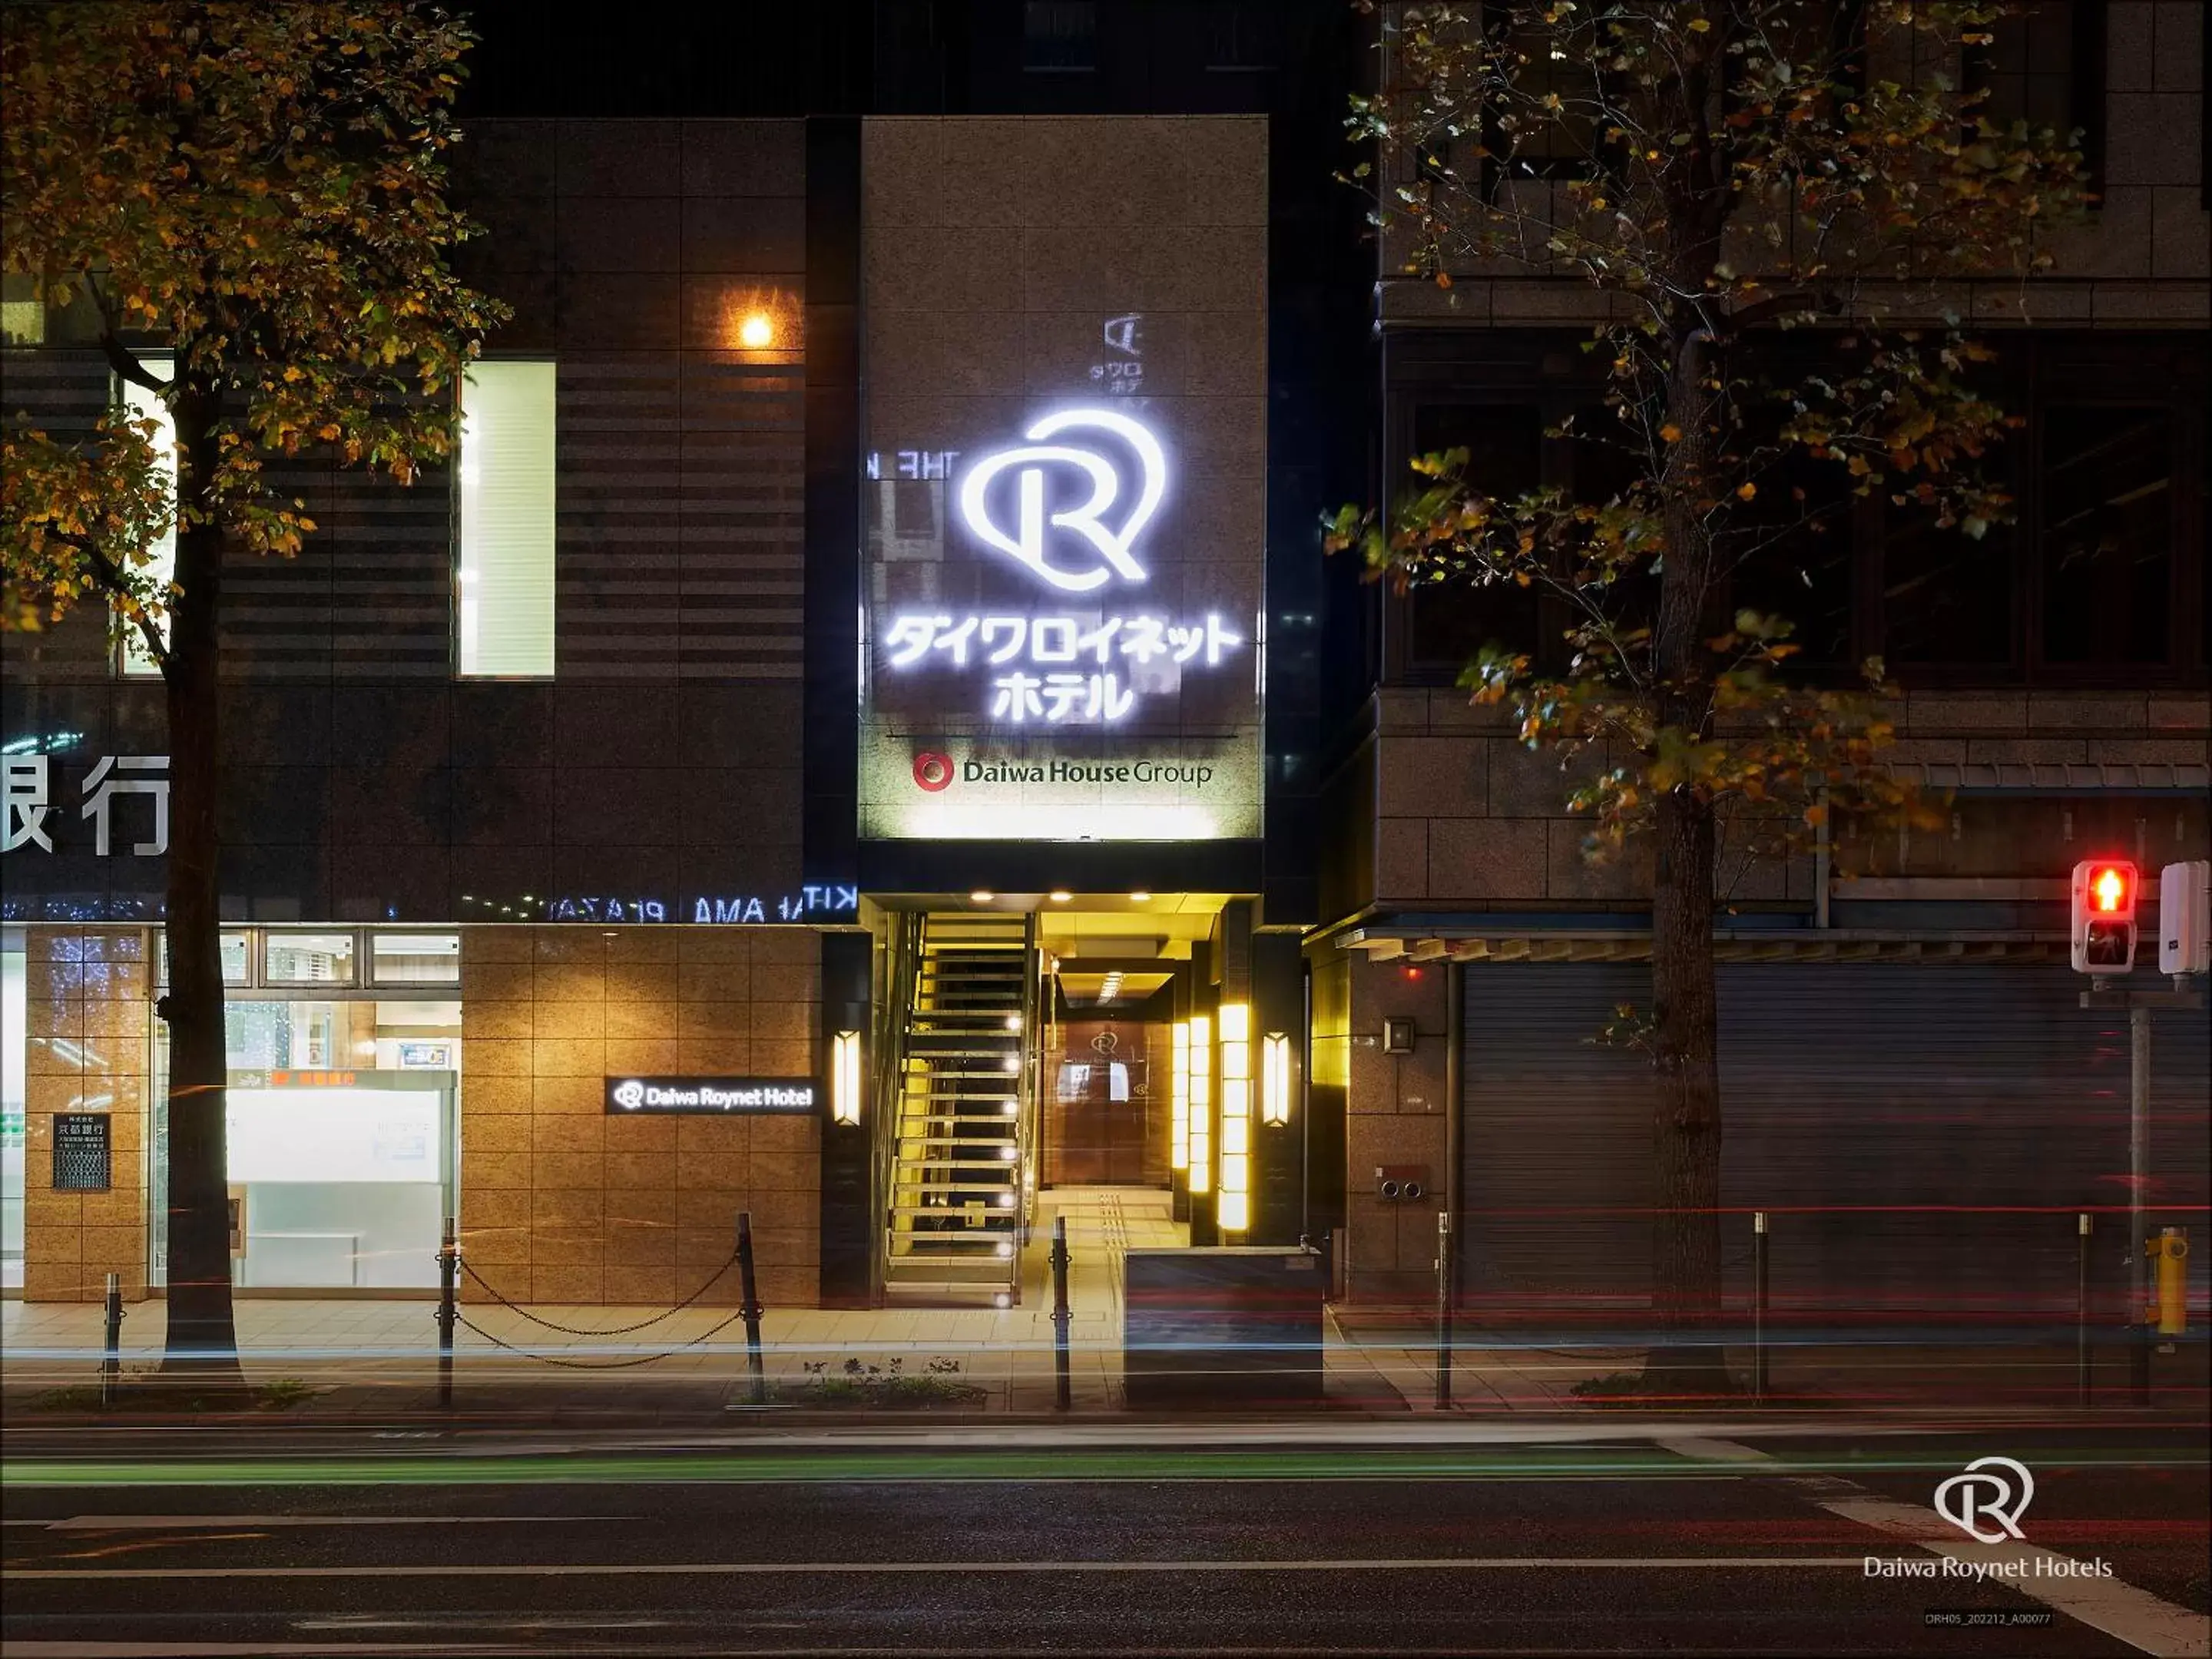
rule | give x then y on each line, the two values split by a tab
710	1095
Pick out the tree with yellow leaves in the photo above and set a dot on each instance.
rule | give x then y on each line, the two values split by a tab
251	194
1771	200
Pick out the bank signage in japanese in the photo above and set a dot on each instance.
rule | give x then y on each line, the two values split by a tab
36	806
710	1095
82	1160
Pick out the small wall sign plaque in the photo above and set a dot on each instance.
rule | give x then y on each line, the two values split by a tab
710	1095
83	1162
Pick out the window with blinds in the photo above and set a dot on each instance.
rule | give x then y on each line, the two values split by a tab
504	584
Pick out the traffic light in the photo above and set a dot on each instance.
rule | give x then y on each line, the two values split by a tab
2103	932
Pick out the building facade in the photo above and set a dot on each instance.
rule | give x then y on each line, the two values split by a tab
867	735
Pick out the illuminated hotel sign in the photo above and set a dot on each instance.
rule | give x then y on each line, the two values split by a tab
1049	657
718	1096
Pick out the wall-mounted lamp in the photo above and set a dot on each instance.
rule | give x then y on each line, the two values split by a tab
845	1077
1233	1209
1275	1079
757	331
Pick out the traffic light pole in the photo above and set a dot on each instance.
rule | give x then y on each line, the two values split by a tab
2140	1281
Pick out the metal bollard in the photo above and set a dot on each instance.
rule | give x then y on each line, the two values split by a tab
449	1271
1061	1395
2083	1394
1444	1310
750	1307
111	1361
1759	1305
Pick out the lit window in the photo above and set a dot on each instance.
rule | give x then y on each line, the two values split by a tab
307	959
415	959
142	405
505	581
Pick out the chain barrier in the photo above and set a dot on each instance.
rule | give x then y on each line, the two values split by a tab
599	1365
577	1330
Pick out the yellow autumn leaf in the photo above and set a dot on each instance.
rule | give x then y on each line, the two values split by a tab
1746	492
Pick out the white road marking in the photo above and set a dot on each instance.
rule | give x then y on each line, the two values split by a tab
761	1568
2121	1611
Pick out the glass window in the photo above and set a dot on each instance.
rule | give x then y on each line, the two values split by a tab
307	959
22	314
1945	597
415	959
505	581
1794	544
1060	35
1450	622
2029	68
2107	522
143	405
14	1010
236	959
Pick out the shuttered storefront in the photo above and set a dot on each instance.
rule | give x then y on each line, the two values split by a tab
1923	1134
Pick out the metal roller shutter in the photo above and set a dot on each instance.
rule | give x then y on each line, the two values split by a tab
1924	1134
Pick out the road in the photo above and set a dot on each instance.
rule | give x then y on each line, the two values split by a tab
1693	1539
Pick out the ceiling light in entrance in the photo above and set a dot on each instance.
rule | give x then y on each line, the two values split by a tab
982	896
1060	896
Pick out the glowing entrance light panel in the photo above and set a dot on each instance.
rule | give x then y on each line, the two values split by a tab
1233	1209
1202	1104
1179	1111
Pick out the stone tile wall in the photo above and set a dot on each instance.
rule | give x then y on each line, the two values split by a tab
88	1026
1466	814
560	1203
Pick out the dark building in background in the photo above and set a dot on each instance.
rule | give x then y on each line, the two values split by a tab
700	802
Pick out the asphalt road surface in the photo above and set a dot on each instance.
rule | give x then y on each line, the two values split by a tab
1662	1540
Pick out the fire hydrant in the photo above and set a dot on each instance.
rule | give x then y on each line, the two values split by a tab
2170	1249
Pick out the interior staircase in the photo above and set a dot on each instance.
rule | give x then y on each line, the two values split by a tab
962	1165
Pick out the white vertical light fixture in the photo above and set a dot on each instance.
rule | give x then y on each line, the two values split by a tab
505	578
1275	1079
845	1077
1179	1111
1233	1210
1202	1104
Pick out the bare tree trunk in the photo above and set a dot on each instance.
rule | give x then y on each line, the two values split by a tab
202	1339
1685	1116
1686	1124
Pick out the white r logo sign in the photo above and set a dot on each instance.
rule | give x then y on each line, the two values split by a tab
1110	544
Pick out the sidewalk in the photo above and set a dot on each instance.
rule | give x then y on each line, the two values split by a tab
373	1358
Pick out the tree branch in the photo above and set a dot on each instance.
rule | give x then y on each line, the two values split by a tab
118	355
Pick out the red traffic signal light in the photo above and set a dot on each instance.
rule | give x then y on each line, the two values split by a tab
2112	889
2103	933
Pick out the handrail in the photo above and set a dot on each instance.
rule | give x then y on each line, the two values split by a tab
888	1086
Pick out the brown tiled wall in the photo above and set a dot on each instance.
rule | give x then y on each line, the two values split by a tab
560	1203
1466	813
86	1024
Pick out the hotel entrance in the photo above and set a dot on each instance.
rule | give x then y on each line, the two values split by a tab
1130	1061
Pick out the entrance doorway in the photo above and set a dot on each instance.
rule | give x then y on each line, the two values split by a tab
1107	1121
